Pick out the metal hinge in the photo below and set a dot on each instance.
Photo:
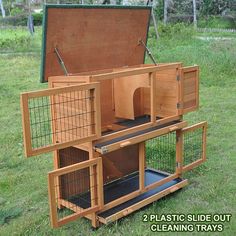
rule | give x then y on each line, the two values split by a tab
178	164
179	105
104	149
178	78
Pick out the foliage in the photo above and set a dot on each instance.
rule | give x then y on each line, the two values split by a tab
19	39
217	22
172	31
214	7
21	20
16	11
38	18
182	9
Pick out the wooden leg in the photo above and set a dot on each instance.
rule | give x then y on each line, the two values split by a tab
95	221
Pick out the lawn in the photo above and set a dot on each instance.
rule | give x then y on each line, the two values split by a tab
23	182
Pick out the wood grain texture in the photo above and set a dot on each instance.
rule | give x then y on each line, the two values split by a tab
190	88
97	39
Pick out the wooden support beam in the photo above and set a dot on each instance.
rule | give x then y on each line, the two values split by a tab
142	166
179	152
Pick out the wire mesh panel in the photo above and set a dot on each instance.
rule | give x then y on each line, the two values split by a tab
76	190
60	117
161	153
194	145
69	156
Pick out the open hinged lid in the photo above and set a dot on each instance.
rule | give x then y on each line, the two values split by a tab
90	37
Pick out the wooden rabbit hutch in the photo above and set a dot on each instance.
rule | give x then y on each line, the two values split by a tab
114	124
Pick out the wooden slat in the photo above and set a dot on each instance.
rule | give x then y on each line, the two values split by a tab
160	182
77	215
100	184
67	89
52	201
97	108
26	124
192	165
189	97
194	127
130	72
74	167
153	97
189	83
190	75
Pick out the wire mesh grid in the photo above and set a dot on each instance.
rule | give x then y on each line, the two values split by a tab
193	146
71	155
73	192
60	118
161	153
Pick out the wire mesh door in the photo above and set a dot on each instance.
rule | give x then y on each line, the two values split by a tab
194	145
75	191
60	117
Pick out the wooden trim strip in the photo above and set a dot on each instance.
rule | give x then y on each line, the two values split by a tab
97	109
76	215
26	124
153	97
74	167
194	127
161	182
100	183
52	201
65	203
66	89
59	146
190	68
70	205
204	142
131	71
120	200
192	165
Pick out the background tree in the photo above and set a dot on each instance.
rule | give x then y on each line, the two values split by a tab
194	14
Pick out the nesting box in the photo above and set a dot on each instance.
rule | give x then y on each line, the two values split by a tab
115	125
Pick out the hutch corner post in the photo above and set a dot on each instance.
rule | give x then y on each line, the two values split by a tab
114	124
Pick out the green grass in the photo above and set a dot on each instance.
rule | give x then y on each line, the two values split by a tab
20	40
217	22
23	182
